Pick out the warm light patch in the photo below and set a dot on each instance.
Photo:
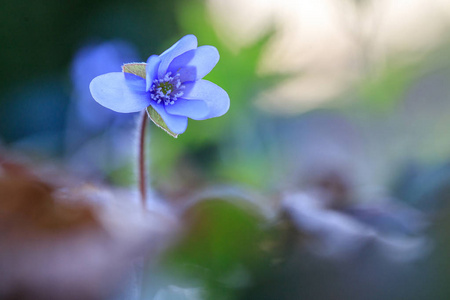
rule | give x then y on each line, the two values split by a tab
334	42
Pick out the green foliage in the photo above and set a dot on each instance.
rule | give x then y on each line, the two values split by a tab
137	69
222	246
251	171
386	90
236	73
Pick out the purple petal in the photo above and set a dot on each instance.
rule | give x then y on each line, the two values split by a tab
194	109
185	44
214	96
195	64
177	124
121	92
151	70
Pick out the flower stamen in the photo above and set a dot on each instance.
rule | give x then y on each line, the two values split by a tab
167	89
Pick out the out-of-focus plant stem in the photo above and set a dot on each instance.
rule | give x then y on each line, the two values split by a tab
142	125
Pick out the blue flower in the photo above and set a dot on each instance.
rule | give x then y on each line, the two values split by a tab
171	87
89	62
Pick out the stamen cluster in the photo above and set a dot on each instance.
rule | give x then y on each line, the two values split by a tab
167	89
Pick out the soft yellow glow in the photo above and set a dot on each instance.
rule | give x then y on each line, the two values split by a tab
332	43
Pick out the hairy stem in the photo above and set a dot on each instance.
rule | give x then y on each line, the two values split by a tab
142	125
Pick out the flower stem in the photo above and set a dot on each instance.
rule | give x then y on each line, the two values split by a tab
142	125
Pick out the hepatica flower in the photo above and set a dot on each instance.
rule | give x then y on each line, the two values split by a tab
169	86
89	62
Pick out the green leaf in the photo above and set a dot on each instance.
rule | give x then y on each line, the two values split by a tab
222	236
139	70
385	91
135	68
158	120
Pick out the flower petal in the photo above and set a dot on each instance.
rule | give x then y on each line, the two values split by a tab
185	44
194	109
151	70
214	96
121	92
195	64
177	124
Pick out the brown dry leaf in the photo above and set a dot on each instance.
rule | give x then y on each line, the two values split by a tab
69	242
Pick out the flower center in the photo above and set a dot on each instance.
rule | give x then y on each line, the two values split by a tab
166	90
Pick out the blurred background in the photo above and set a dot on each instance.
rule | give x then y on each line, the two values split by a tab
327	179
